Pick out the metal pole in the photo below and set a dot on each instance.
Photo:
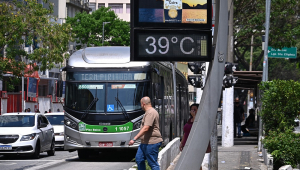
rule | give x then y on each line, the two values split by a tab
175	98
200	134
23	107
103	31
265	64
214	148
251	53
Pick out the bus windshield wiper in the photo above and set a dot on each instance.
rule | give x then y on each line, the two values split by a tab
122	108
90	106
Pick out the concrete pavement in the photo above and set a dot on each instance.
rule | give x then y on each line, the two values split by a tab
235	157
243	155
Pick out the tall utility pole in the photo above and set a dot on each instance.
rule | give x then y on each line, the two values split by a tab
265	64
250	69
207	112
228	93
103	31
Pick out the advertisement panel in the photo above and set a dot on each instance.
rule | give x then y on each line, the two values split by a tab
31	87
172	13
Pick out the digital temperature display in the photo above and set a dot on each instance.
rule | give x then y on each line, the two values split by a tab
172	45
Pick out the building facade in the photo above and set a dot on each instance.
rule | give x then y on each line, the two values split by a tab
120	7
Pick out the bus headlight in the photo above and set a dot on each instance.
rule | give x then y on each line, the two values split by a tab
71	123
137	124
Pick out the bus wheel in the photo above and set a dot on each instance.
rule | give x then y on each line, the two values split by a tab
83	154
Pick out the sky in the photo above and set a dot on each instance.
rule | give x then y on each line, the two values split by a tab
194	2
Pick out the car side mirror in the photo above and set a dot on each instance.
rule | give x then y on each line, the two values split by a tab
43	125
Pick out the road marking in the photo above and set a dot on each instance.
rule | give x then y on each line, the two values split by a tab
8	163
55	162
27	160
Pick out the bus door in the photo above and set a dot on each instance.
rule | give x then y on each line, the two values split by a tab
159	103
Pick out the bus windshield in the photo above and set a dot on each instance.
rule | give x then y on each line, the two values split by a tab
80	95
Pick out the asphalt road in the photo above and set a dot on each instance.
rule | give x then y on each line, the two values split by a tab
64	160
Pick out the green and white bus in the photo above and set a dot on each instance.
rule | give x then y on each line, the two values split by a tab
102	100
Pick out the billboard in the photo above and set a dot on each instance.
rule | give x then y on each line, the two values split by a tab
172	13
31	87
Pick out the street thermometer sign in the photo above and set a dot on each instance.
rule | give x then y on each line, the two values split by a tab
171	30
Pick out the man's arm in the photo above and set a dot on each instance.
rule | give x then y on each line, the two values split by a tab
141	133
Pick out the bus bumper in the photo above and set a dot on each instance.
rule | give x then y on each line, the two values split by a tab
85	140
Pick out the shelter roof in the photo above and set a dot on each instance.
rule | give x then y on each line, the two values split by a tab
247	79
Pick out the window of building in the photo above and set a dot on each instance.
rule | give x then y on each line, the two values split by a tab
128	8
117	8
192	96
92	6
101	5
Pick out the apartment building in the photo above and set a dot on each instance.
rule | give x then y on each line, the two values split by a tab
120	7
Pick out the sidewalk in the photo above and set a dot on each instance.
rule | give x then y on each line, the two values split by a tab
243	155
235	157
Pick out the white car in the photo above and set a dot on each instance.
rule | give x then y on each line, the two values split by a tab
26	133
57	121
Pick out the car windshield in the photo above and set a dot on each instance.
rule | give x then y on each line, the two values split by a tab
80	96
55	119
17	121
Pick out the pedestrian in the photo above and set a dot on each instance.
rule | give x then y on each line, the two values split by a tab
188	126
49	111
238	116
28	110
25	110
58	110
150	137
46	112
248	123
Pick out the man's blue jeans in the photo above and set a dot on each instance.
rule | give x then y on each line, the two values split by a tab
147	152
239	129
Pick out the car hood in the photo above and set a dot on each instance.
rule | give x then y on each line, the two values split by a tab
17	130
58	128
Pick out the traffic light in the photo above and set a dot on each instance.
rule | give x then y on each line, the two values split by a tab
228	79
196	81
196	67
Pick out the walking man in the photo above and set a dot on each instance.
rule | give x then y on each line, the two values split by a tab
150	137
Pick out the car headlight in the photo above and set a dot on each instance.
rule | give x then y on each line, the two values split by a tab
28	137
71	123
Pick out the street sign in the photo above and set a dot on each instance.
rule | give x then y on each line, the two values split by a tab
282	53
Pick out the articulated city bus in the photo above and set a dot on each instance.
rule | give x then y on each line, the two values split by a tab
103	93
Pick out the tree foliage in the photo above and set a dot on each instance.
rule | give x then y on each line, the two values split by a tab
284	147
29	23
249	19
280	107
280	103
89	28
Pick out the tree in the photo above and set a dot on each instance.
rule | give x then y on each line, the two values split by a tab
29	23
249	19
89	27
280	103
